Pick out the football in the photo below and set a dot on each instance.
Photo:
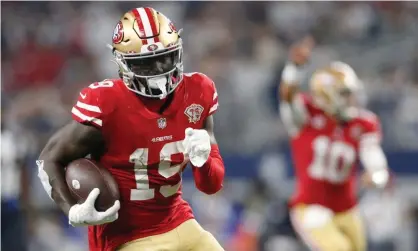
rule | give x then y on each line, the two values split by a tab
83	175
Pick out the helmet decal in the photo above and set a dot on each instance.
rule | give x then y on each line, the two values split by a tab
118	33
152	47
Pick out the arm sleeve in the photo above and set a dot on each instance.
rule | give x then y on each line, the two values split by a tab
371	153
372	130
213	102
210	94
209	178
90	107
294	115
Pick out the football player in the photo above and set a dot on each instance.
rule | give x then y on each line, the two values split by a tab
329	133
144	128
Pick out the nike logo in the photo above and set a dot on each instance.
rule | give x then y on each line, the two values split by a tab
83	95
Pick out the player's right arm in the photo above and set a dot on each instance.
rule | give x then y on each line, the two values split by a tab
76	140
73	141
292	108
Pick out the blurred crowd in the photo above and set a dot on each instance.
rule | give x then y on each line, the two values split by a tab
50	50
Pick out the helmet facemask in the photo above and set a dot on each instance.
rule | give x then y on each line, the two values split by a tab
155	74
344	104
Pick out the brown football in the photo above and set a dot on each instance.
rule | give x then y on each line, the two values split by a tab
83	175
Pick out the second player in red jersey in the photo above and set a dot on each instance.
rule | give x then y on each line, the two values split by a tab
144	128
325	154
329	134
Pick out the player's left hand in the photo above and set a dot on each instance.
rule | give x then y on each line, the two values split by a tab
197	146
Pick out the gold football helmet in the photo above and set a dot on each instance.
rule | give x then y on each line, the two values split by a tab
334	89
148	51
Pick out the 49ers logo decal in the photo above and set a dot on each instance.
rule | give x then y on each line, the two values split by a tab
152	47
118	33
194	112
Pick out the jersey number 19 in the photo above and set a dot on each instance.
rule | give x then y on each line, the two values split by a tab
165	169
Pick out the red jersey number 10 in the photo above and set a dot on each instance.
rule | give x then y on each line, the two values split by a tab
332	161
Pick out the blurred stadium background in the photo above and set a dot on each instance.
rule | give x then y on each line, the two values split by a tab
49	50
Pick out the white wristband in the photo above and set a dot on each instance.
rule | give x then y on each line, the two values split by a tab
291	74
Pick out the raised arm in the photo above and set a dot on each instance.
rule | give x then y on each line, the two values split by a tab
292	107
299	55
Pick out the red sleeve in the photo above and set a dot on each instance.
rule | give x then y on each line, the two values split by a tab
371	125
210	95
296	114
91	107
209	178
213	107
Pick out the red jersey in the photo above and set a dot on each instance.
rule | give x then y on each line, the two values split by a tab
325	154
144	154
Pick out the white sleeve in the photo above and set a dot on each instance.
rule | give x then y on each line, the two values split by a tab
293	115
373	158
43	176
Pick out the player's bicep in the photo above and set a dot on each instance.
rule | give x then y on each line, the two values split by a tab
294	114
209	127
71	142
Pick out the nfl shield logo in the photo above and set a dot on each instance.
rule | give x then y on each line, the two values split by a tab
118	33
162	123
